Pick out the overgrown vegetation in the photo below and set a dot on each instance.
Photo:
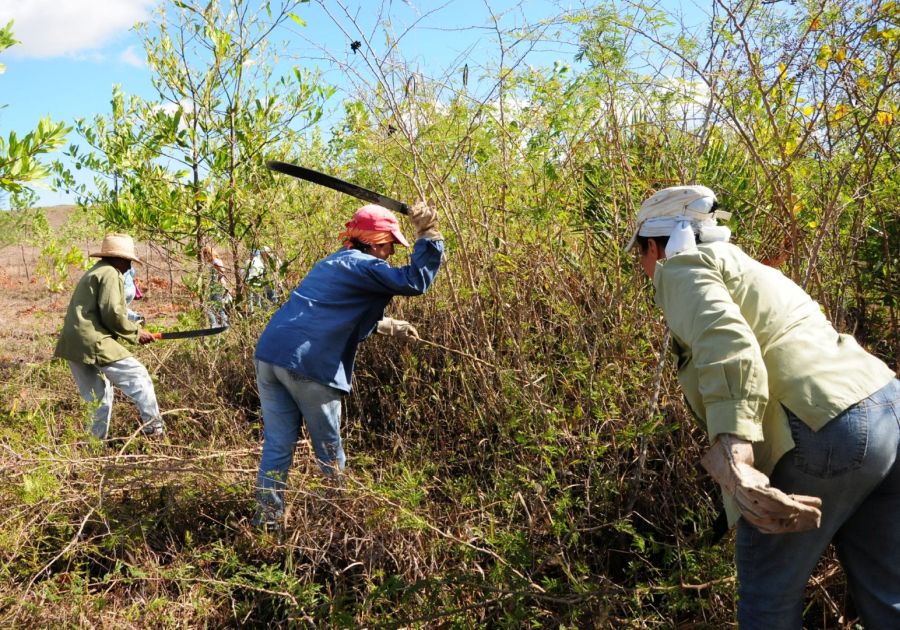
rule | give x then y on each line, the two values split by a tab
530	463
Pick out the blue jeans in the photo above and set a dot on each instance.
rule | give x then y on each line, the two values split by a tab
216	311
287	399
852	465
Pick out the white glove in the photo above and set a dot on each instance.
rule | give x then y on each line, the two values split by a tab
396	328
424	219
730	462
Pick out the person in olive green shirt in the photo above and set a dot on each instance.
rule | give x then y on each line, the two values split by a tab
95	322
804	424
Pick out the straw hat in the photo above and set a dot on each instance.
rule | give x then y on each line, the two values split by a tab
117	246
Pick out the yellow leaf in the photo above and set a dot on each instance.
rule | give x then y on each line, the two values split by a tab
824	56
781	69
808	110
862	82
798	207
840	111
841	54
813	224
885	119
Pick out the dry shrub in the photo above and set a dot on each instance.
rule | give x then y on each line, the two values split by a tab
510	469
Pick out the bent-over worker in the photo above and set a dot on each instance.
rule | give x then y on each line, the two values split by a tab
804	424
95	322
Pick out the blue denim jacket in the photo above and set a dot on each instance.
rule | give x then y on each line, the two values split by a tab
336	306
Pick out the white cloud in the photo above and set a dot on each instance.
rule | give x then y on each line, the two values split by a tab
55	28
185	106
171	108
131	57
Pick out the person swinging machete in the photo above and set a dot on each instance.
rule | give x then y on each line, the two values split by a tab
304	357
804	424
96	320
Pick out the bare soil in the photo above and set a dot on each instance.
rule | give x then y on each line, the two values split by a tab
31	315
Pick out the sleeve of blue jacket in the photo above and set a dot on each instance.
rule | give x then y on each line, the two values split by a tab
411	279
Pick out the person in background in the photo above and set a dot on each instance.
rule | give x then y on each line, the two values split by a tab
803	423
132	293
263	277
218	296
304	357
96	320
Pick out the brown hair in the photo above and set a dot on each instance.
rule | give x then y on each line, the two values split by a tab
208	253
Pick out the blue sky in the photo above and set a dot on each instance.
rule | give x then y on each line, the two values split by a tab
73	51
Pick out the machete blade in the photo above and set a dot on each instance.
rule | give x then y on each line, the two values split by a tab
188	334
340	185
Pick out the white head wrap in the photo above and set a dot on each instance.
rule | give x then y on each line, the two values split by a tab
679	212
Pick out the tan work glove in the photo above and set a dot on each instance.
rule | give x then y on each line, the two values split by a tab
730	462
396	328
424	219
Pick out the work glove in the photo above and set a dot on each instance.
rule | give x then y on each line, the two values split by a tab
730	462
396	328
424	219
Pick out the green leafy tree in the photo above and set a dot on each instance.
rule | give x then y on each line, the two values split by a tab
20	165
187	168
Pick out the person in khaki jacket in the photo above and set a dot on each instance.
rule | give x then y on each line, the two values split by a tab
803	423
95	322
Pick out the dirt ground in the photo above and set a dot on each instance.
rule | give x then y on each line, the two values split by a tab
31	315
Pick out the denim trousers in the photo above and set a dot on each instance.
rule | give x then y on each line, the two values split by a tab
95	384
852	465
287	399
216	312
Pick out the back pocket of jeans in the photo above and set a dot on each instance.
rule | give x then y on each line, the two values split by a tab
835	449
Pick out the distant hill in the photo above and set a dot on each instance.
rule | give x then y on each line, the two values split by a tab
57	215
